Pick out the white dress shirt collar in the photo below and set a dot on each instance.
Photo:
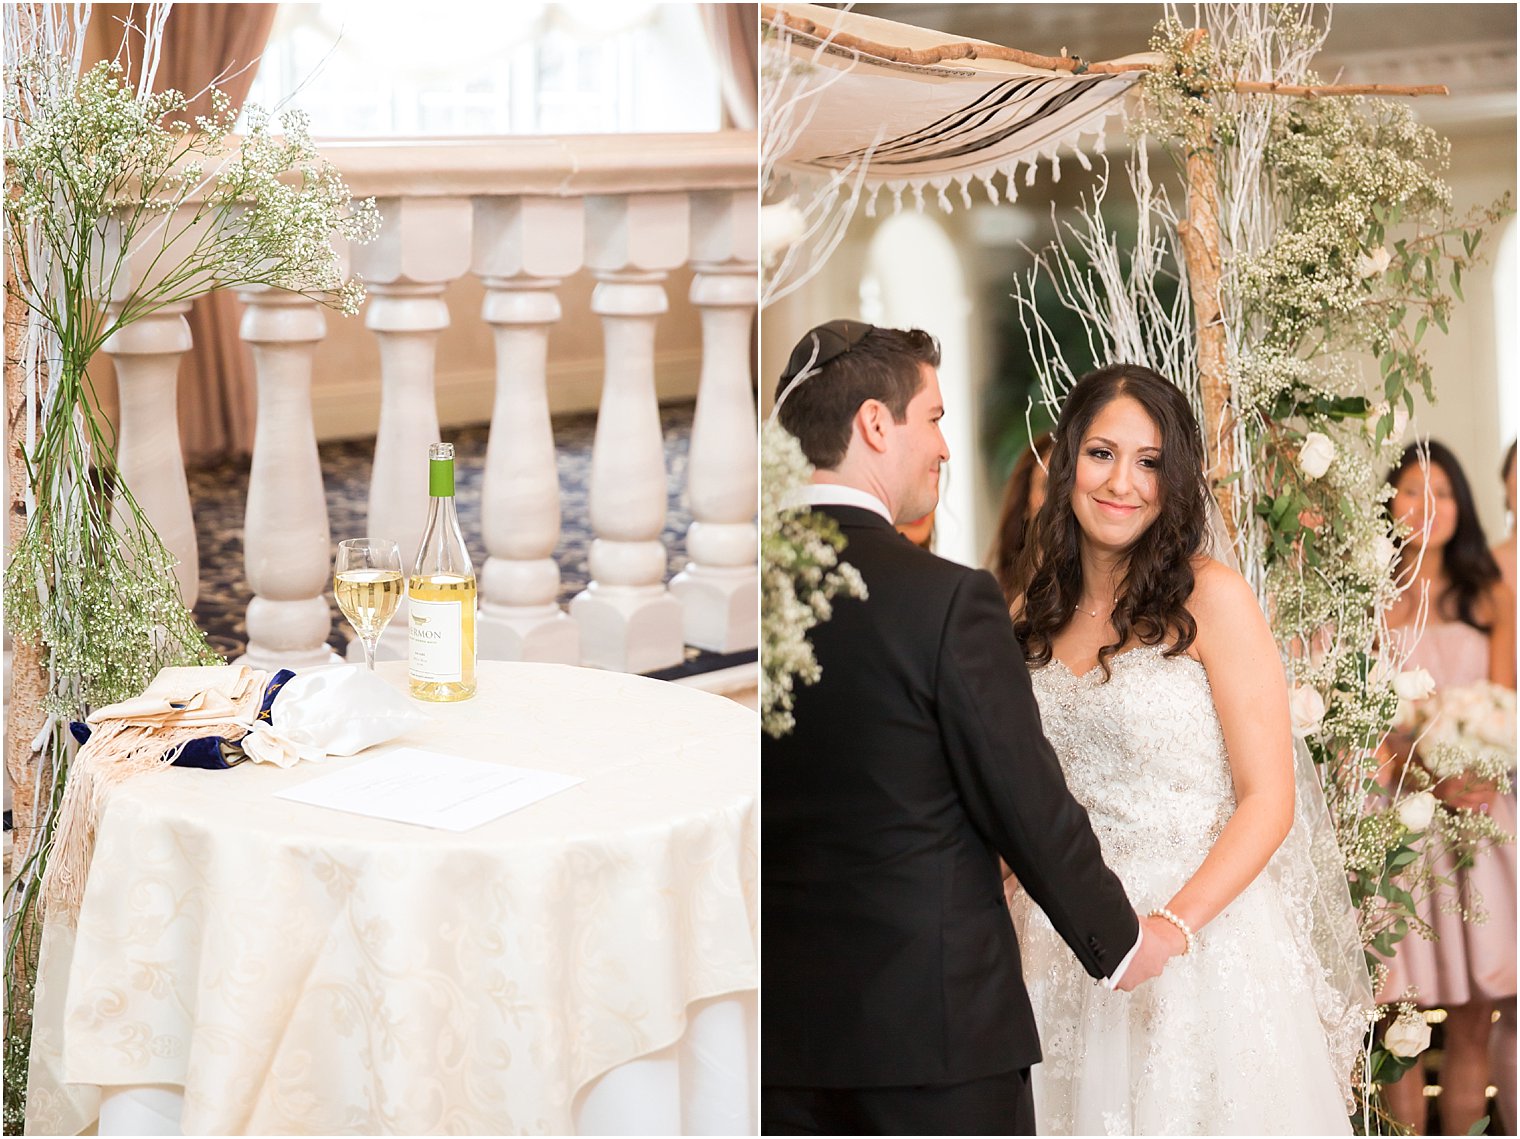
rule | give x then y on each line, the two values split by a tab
837	494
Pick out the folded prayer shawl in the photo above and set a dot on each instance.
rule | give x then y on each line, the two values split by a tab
212	752
183	707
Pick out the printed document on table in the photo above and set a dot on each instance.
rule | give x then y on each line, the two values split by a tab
429	789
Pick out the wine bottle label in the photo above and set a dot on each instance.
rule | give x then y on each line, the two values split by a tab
437	641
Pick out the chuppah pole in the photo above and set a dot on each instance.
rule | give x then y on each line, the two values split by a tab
28	676
1199	235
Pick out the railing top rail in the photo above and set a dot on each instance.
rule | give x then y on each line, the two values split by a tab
559	166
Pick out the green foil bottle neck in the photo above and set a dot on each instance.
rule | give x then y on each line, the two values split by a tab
441	478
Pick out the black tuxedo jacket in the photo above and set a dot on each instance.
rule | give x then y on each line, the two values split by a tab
888	956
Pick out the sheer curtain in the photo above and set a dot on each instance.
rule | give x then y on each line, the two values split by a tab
202	42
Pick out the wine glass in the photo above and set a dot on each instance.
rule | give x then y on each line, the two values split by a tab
368	584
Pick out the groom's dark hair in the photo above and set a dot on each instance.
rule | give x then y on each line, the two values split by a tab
835	368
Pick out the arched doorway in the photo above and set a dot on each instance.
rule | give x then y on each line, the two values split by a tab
914	278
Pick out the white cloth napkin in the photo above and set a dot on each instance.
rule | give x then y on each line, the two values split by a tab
331	711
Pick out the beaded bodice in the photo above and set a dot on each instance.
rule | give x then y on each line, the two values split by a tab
1143	752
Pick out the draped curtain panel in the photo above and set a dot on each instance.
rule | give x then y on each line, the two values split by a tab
734	32
202	42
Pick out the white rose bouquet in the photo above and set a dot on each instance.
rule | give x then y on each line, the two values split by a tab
1469	728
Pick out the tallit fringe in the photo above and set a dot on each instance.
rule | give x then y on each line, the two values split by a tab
1072	141
115	752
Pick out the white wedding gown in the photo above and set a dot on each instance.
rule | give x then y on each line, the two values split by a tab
1227	1040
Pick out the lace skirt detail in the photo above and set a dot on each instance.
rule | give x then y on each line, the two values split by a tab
1226	1041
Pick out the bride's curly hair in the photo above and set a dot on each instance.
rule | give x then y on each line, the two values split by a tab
1158	577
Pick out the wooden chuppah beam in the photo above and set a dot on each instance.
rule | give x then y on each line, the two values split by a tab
1249	88
949	52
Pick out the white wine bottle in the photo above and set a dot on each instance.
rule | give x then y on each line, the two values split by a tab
441	595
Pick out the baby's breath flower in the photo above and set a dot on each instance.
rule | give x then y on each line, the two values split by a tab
800	576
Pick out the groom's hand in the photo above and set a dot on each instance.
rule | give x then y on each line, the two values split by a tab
1160	942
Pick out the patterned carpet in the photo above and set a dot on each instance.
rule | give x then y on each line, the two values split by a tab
218	494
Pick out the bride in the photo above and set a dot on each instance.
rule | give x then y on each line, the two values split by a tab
1161	688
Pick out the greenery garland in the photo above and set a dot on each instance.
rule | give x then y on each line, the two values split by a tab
1365	257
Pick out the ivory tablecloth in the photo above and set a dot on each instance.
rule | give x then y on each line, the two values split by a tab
297	970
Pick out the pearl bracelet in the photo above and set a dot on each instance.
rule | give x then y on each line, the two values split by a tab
1187	934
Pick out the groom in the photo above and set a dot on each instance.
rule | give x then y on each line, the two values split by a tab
892	999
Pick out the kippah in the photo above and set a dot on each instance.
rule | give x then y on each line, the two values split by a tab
825	343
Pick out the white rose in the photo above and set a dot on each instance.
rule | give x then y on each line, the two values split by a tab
1414	684
1461	704
1408	1036
1496	725
1383	551
781	225
1371	264
1496	728
1307	707
1405	718
1440	732
1316	455
1417	810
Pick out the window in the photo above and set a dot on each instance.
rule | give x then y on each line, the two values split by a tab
1508	355
363	68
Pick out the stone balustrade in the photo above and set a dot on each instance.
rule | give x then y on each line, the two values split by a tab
522	215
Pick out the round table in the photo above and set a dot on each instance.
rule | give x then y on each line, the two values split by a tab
584	964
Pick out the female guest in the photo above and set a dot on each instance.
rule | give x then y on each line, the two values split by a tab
1022	498
1469	636
1162	691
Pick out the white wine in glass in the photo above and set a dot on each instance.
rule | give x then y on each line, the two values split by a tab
368	584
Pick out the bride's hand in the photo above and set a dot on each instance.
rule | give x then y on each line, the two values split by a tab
1170	936
1161	941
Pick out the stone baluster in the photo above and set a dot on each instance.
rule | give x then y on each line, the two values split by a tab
287	549
719	588
628	619
522	247
146	354
424	243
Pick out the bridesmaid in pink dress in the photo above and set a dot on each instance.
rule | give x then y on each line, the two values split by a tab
1469	636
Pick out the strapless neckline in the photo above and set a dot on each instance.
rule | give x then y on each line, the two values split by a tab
1116	658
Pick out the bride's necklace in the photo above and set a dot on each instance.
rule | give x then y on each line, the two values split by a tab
1093	613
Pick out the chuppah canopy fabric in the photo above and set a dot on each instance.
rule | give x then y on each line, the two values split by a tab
933	126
